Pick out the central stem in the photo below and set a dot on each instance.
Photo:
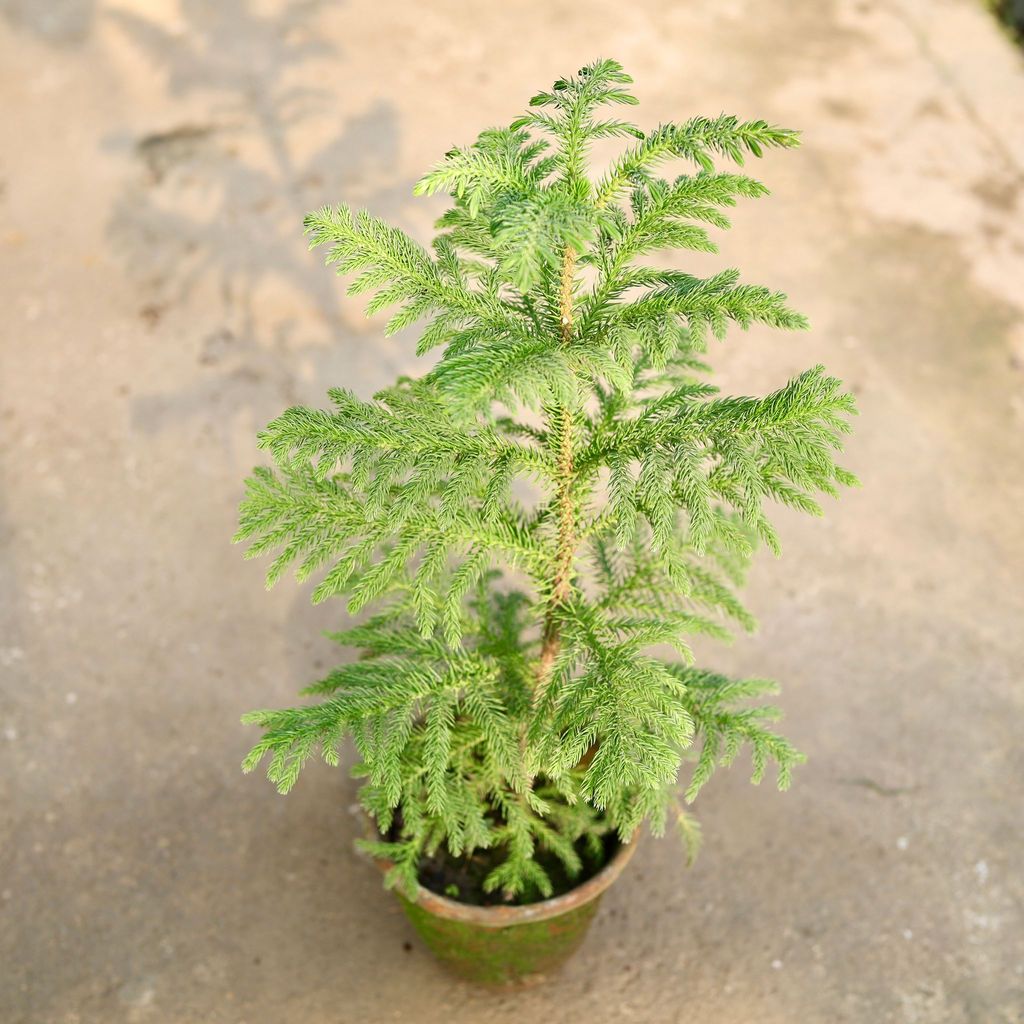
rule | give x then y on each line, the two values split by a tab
565	548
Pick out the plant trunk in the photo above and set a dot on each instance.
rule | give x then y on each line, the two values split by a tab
565	551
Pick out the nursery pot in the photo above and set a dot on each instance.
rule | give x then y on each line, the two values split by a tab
504	945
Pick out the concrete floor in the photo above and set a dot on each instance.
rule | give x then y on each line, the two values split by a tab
158	307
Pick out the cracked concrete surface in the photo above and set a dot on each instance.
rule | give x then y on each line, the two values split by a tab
159	307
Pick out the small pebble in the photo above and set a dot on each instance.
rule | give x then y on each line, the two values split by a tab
902	843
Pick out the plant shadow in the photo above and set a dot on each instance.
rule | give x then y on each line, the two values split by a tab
55	22
215	203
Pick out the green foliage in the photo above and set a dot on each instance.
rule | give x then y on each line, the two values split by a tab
1011	14
551	507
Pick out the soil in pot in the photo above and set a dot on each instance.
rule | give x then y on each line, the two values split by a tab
462	878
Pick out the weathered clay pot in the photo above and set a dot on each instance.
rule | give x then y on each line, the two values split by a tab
504	945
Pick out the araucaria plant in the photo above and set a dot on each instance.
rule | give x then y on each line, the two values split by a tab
558	498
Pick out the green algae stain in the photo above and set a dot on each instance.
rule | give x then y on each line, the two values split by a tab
502	956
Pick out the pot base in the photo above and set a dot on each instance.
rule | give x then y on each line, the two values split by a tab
508	944
514	954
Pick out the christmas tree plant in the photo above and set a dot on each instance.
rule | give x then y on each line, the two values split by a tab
559	497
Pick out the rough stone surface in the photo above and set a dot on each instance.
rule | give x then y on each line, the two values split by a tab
158	307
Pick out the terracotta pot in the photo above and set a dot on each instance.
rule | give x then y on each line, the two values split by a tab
505	945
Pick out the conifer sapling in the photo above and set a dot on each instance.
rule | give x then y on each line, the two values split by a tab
558	497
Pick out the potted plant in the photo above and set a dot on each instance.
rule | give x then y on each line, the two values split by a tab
558	497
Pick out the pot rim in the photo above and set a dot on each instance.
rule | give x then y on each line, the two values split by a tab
527	913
